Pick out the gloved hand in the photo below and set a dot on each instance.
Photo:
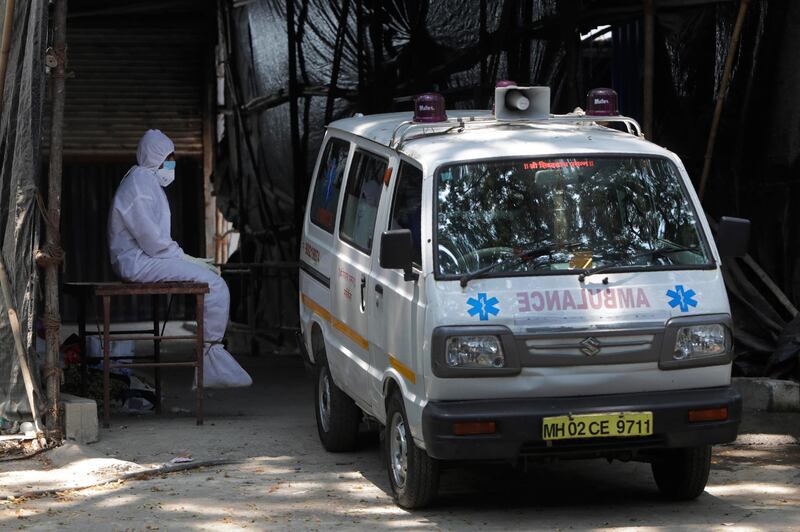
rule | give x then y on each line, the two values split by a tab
205	262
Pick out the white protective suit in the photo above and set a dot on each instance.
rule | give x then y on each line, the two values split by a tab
142	250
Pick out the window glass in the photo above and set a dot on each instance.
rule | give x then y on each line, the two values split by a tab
329	180
362	196
539	215
407	205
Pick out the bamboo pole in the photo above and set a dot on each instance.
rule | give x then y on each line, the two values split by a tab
762	275
723	89
649	58
337	61
8	24
5	285
298	167
767	280
52	254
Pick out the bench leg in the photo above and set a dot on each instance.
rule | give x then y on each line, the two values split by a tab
156	354
106	359
199	312
82	337
252	290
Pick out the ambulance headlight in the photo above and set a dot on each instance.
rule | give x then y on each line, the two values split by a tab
698	341
474	352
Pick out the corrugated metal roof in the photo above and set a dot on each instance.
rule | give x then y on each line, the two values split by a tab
127	80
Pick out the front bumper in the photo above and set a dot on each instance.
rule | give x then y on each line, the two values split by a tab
519	424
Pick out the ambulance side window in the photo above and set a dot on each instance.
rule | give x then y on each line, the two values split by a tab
407	206
362	196
329	181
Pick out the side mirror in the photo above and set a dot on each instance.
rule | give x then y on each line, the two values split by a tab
397	252
733	236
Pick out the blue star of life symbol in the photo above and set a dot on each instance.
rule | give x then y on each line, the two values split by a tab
682	297
483	307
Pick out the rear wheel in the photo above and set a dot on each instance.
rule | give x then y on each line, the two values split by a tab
413	475
682	474
337	415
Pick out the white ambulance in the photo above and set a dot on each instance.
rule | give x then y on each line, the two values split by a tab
515	286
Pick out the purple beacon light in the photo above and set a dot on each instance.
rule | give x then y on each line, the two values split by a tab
602	102
505	83
429	108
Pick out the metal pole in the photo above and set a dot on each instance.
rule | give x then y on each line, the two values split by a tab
723	89
52	255
218	238
649	55
8	24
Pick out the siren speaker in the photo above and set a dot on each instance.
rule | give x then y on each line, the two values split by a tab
522	103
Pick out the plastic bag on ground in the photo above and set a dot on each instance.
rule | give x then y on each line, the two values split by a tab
220	370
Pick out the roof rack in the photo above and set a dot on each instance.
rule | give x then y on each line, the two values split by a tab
405	130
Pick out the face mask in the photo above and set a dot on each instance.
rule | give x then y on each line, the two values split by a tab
166	175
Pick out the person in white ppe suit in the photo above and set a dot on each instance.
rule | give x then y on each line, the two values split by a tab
143	251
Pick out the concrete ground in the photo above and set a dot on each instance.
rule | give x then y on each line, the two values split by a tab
284	480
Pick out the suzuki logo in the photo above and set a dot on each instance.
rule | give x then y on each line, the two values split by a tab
590	346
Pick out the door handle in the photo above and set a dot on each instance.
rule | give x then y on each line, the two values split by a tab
379	289
363	286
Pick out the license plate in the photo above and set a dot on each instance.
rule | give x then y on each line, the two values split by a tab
606	425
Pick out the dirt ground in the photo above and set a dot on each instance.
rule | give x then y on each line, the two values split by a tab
282	479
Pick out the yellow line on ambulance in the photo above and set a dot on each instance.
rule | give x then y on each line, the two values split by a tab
362	342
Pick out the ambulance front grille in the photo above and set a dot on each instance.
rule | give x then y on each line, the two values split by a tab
590	348
588	345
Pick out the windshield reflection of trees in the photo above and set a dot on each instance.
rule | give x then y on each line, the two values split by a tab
616	208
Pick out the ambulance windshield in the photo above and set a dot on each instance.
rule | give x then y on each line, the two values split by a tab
588	213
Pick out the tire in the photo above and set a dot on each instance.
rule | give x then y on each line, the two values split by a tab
337	415
682	474
413	475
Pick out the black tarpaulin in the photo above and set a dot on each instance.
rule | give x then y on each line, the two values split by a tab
373	56
20	134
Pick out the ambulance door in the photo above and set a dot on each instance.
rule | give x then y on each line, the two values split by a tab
355	251
318	258
398	313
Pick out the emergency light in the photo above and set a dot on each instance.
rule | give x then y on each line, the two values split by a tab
429	108
602	102
505	83
523	105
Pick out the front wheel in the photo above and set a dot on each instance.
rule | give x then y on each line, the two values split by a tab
682	474
337	414
413	475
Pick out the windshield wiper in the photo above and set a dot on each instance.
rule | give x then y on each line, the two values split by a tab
522	256
659	251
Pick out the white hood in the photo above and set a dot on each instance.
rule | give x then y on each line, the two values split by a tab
154	147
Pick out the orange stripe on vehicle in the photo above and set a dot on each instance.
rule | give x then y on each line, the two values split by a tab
316	308
337	324
362	342
403	370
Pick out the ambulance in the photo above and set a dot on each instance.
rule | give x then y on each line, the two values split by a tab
515	286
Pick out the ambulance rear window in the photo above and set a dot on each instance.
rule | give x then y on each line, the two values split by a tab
329	181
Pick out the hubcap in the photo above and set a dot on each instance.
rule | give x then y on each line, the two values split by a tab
324	402
398	450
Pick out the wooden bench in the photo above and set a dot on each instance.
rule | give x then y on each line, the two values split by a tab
106	291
